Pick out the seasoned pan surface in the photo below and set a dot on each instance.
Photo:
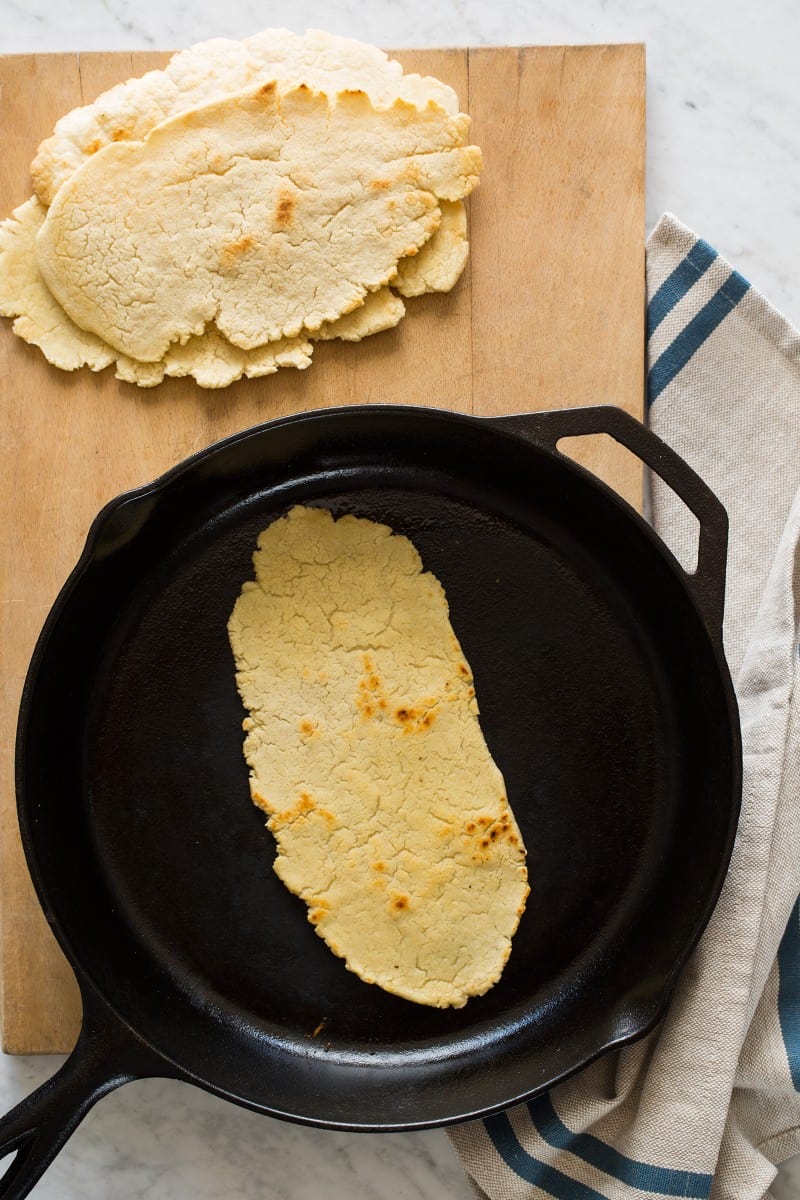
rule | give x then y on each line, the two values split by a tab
604	700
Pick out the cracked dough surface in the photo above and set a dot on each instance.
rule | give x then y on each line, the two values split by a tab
365	751
222	67
211	360
208	71
270	215
40	320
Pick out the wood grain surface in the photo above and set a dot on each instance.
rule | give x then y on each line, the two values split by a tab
549	313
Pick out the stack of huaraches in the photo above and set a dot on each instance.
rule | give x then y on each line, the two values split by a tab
216	218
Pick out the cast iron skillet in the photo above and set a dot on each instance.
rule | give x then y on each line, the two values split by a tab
604	698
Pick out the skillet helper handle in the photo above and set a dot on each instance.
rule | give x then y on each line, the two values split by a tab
42	1123
707	581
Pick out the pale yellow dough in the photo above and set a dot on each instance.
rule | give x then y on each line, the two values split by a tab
221	67
269	215
391	818
40	320
211	360
211	71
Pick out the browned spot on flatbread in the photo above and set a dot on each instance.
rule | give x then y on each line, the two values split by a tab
488	833
284	210
369	698
303	807
231	253
417	718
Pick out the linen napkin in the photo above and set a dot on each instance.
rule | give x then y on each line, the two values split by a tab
710	1101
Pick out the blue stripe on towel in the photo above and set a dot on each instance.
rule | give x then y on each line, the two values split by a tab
531	1169
789	992
646	1178
681	281
695	333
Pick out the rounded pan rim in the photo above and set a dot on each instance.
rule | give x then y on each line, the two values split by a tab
627	1023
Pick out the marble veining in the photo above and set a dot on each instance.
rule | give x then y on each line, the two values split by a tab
165	1140
722	87
724	156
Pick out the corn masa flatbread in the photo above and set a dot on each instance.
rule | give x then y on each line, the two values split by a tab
222	67
210	359
41	321
270	215
390	816
213	70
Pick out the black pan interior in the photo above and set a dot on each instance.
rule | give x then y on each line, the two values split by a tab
601	700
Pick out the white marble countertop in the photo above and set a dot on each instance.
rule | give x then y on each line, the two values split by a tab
724	156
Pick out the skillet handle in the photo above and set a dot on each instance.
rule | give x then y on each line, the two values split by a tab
707	581
106	1056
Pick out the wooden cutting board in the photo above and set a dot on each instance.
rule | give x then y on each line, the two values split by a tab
549	313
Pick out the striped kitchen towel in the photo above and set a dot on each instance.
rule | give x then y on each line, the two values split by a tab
709	1102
